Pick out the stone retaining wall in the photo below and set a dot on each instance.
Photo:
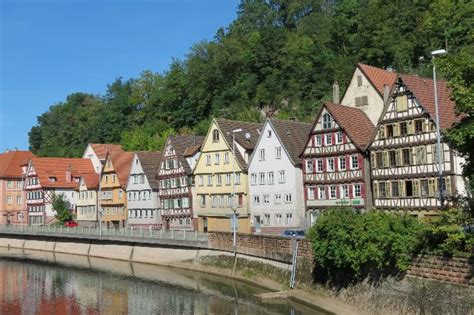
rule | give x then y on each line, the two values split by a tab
458	270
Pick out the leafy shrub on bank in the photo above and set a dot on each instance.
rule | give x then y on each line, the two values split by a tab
349	246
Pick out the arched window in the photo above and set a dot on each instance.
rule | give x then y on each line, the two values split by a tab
327	121
215	135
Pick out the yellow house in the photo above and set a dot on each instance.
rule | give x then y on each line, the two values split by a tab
113	182
213	175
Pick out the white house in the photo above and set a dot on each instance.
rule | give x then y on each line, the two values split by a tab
142	190
276	179
97	152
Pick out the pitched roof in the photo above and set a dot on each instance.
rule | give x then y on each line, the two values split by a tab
183	144
423	89
354	122
293	135
150	162
10	163
57	168
253	129
122	162
378	77
91	180
190	151
101	149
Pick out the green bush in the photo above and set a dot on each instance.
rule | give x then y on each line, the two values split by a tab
349	246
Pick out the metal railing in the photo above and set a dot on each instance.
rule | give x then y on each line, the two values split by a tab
130	232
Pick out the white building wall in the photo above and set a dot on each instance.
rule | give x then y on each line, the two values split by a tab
293	185
90	154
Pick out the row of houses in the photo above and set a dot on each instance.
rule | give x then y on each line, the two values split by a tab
373	148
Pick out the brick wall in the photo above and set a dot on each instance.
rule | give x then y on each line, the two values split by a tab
271	247
455	270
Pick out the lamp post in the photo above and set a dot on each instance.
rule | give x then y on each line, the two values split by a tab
234	203
434	54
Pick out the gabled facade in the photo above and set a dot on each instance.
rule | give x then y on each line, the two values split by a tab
366	89
336	166
177	189
142	191
87	201
276	191
214	178
404	151
12	196
113	182
49	177
97	153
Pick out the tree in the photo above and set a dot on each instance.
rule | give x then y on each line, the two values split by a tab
61	206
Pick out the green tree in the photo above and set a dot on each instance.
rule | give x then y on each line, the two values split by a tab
61	206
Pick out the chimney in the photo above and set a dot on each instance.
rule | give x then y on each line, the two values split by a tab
68	174
386	92
335	93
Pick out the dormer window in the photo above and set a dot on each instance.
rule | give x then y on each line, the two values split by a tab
52	179
215	135
327	121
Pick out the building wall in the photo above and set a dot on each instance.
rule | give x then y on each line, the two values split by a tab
214	191
273	215
12	202
113	199
375	105
90	154
86	205
142	201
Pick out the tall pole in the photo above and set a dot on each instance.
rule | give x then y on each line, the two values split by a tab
438	139
234	204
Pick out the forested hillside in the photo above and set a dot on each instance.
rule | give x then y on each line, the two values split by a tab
279	57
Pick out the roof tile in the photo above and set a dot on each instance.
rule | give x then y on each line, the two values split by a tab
10	163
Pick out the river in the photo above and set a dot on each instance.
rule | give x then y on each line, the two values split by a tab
46	283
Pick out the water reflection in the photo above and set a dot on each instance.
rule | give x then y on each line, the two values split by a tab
34	283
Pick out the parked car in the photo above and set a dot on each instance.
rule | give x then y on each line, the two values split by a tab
71	224
294	233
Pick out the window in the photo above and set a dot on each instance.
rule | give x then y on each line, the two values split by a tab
278	218
10	184
120	192
362	100
406	156
237	178
357	190
327	121
208	159
215	135
359	80
228	178
113	178
435	153
418	125
289	218
319	165
202	200
309	166
311	193
420	155
424	188
381	132
382	190
288	198
332	192
392	158
278	152
9	200
339	137
201	180
389	131
318	141
209	180
321	192
408	188
395	189
256	200
214	201
266	199
18	200
277	198
261	177
379	159
216	159
269	133
328	139
330	164
281	176
271	178
219	180
267	219
253	179
106	179
226	158
402	103
342	163
262	155
403	129
345	191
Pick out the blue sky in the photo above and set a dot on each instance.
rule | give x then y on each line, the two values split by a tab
52	48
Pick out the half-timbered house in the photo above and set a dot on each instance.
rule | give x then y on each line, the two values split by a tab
336	168
49	177
176	185
87	201
404	158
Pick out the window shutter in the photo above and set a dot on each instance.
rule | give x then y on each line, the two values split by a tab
416	189
401	188
397	158
385	158
376	189
426	125
361	161
362	190
333	138
448	186
336	164
314	166
373	160
411	127
324	165
348	162
344	138
338	192
396	130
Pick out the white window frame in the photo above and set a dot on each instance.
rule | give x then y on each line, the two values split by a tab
354	166
278	152
342	159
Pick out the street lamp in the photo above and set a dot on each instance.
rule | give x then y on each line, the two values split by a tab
434	54
234	203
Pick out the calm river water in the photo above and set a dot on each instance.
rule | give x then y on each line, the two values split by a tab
46	283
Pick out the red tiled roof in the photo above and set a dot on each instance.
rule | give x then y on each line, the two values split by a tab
190	151
10	163
101	149
57	167
122	162
378	77
91	180
354	122
423	89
